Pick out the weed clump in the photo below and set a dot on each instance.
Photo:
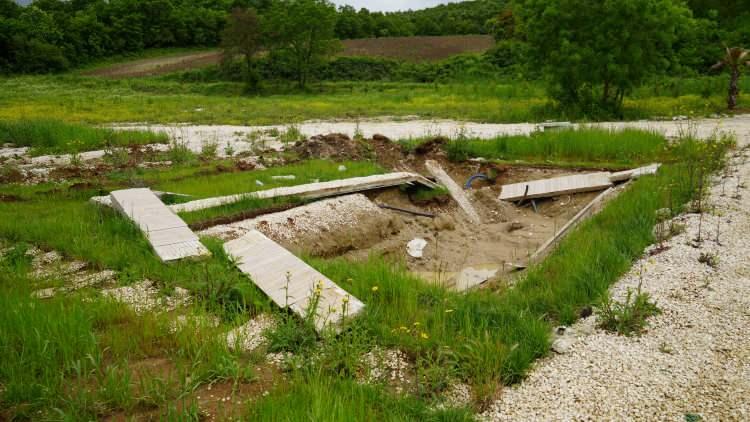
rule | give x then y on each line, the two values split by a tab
629	317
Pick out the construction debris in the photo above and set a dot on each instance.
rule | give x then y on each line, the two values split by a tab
415	247
592	208
290	282
622	176
168	234
312	190
557	186
456	192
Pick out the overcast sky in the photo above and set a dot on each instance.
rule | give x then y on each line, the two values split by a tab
391	5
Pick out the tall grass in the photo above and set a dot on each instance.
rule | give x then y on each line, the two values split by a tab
585	146
489	337
46	136
75	98
316	398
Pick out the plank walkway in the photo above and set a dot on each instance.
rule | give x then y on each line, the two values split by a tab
456	192
556	186
170	237
312	190
289	281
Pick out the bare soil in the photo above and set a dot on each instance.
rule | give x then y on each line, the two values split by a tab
354	228
158	65
425	48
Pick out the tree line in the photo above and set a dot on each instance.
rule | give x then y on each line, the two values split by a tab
54	35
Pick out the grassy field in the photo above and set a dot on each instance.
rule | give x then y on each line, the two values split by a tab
46	136
74	98
581	148
77	357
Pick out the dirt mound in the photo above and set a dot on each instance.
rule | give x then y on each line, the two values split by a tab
335	146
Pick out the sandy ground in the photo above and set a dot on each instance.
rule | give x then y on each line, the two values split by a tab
694	360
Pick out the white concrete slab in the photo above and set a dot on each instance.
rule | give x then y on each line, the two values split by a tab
170	237
454	189
311	190
290	282
556	186
622	176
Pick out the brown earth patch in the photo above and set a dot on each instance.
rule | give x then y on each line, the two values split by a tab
416	49
158	65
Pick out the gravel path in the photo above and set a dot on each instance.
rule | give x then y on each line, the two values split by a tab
694	360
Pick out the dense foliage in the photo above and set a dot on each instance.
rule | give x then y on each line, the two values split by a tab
593	51
54	35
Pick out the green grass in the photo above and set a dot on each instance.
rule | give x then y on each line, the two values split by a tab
485	336
76	98
46	136
585	147
316	398
65	221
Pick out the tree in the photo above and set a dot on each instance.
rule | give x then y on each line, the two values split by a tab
594	51
302	32
734	60
243	36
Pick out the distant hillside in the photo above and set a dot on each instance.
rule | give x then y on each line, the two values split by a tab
418	48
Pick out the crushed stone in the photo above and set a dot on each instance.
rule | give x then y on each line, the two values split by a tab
250	335
144	296
694	358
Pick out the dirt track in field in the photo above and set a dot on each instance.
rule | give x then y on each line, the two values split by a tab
414	49
158	65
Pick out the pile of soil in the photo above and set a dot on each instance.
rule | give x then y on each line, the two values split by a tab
335	146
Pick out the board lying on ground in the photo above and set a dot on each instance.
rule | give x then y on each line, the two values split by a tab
312	190
456	192
593	207
170	237
545	188
290	282
622	176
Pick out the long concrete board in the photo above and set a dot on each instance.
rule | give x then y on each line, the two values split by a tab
622	176
312	190
556	186
456	192
290	282
170	237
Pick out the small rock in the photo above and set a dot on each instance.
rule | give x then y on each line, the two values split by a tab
259	183
515	225
342	168
415	247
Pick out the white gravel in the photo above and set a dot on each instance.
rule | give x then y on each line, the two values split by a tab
694	358
195	136
317	217
249	336
144	296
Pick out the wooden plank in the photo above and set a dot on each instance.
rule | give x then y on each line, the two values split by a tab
312	190
169	236
622	176
556	186
590	209
290	282
456	192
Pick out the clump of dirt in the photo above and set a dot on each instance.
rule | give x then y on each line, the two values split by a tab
10	198
10	175
431	146
335	146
